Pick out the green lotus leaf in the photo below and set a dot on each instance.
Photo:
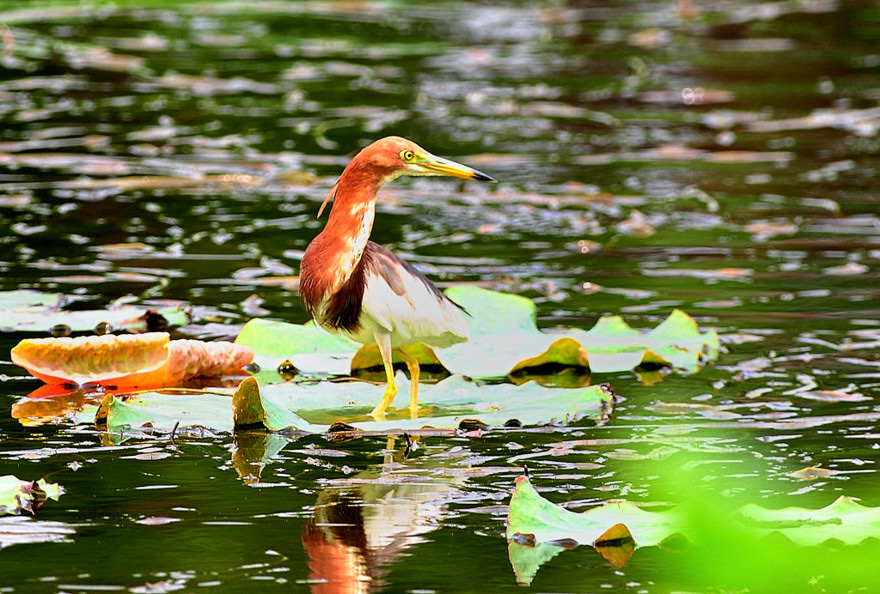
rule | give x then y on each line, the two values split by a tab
724	539
17	495
314	407
536	518
505	339
309	348
843	520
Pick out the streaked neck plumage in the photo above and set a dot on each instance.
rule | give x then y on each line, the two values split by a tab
333	255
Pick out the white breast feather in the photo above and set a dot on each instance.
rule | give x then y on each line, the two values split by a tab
416	316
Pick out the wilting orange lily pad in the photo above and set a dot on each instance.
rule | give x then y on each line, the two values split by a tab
147	360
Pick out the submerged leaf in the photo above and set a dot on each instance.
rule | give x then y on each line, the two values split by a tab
129	360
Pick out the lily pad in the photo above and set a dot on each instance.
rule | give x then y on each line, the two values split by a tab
17	495
309	348
314	408
534	519
843	520
31	311
165	410
129	360
505	340
538	530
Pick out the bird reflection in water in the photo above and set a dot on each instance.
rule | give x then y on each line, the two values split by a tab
335	539
362	524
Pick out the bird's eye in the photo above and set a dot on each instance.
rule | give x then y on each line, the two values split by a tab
408	156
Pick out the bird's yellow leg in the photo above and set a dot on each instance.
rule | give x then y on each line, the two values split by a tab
378	413
413	365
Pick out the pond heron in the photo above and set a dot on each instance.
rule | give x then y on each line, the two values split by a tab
354	287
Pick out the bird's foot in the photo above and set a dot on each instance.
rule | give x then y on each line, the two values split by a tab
414	372
378	413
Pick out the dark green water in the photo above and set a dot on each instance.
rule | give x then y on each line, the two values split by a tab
721	158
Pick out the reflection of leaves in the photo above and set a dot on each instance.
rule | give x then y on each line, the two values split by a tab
252	451
504	340
49	403
145	360
17	495
313	408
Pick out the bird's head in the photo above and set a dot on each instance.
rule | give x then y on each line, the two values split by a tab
391	157
399	156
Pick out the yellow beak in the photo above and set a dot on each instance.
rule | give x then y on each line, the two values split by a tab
433	165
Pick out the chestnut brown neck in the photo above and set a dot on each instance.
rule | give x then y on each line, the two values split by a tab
331	258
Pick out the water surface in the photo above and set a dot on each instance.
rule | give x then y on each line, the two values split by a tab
718	158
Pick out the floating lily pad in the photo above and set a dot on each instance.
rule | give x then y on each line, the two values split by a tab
505	336
315	407
505	339
17	495
843	520
538	530
309	348
539	521
31	311
165	410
